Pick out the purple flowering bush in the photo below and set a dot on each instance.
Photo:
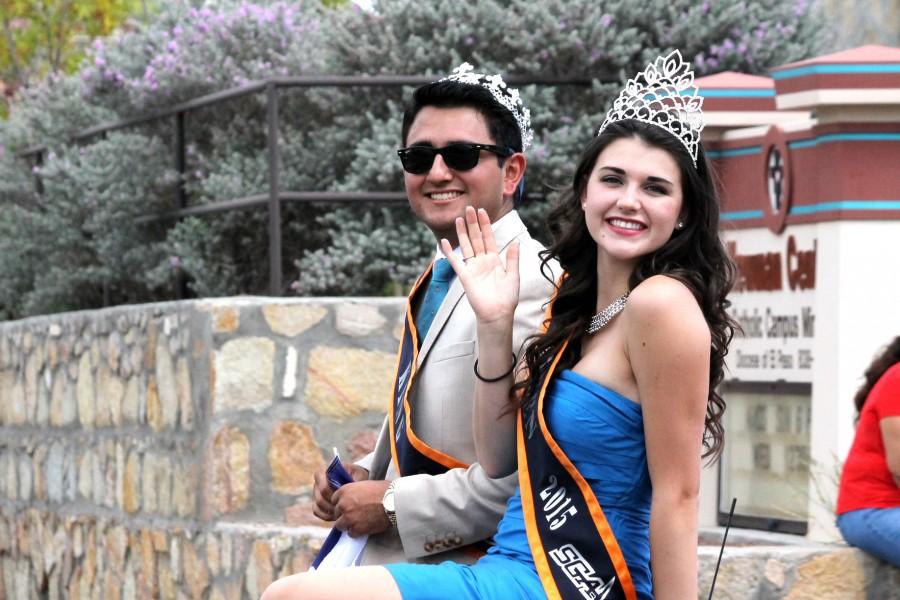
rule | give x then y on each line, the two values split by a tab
184	53
603	41
189	52
330	138
750	37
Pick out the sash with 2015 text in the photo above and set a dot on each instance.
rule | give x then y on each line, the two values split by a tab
411	455
575	551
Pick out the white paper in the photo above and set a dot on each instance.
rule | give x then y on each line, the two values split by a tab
346	553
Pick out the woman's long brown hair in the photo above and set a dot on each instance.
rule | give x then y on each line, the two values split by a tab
693	255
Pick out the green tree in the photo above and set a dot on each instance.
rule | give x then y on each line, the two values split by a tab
42	37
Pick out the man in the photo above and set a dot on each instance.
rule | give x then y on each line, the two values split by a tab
420	495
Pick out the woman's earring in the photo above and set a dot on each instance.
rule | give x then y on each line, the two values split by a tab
679	225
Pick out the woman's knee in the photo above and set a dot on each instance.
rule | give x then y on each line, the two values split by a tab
374	583
285	588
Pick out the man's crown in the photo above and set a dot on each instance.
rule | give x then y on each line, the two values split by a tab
507	97
664	95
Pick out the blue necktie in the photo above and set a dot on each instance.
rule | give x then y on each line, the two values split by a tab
441	276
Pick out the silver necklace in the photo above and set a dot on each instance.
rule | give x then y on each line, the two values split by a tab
602	318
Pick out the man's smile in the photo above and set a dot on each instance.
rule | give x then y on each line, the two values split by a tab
443	196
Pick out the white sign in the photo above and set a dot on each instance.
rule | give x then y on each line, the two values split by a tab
774	302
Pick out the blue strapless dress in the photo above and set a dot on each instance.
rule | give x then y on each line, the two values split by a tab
602	432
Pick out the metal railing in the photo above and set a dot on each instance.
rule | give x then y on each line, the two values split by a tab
275	196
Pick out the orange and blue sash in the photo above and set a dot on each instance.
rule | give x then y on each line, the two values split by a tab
410	454
575	552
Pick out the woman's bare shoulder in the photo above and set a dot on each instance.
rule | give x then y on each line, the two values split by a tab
664	306
661	293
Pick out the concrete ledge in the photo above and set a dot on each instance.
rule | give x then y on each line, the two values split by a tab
770	566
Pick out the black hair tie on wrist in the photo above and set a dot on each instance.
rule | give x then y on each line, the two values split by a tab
494	379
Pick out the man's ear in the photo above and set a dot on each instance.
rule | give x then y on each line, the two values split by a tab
513	171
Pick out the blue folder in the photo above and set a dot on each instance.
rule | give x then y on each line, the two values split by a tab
337	476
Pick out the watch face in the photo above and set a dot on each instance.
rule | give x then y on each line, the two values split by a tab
388	501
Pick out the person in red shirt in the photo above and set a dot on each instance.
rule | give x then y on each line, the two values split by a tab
868	506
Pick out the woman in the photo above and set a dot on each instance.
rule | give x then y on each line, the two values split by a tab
607	408
868	505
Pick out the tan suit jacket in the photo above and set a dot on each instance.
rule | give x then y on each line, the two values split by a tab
437	514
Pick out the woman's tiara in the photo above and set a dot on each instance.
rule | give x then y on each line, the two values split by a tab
664	95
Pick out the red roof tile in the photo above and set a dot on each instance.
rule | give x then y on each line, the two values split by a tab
734	80
871	53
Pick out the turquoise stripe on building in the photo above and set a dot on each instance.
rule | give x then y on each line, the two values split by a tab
741	215
822	207
844	137
846	205
855	69
728	93
734	152
811	142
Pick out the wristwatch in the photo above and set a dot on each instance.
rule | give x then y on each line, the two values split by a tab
387	501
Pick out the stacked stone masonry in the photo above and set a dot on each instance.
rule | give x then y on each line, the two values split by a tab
167	451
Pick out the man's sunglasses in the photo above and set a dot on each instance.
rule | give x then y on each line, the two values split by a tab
461	156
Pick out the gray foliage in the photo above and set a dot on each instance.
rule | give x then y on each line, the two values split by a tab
76	245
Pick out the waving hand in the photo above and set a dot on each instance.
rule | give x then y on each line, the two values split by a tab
491	284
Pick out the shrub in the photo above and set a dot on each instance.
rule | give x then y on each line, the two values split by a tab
330	138
78	244
577	39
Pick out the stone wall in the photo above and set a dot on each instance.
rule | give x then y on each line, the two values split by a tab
759	565
167	450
